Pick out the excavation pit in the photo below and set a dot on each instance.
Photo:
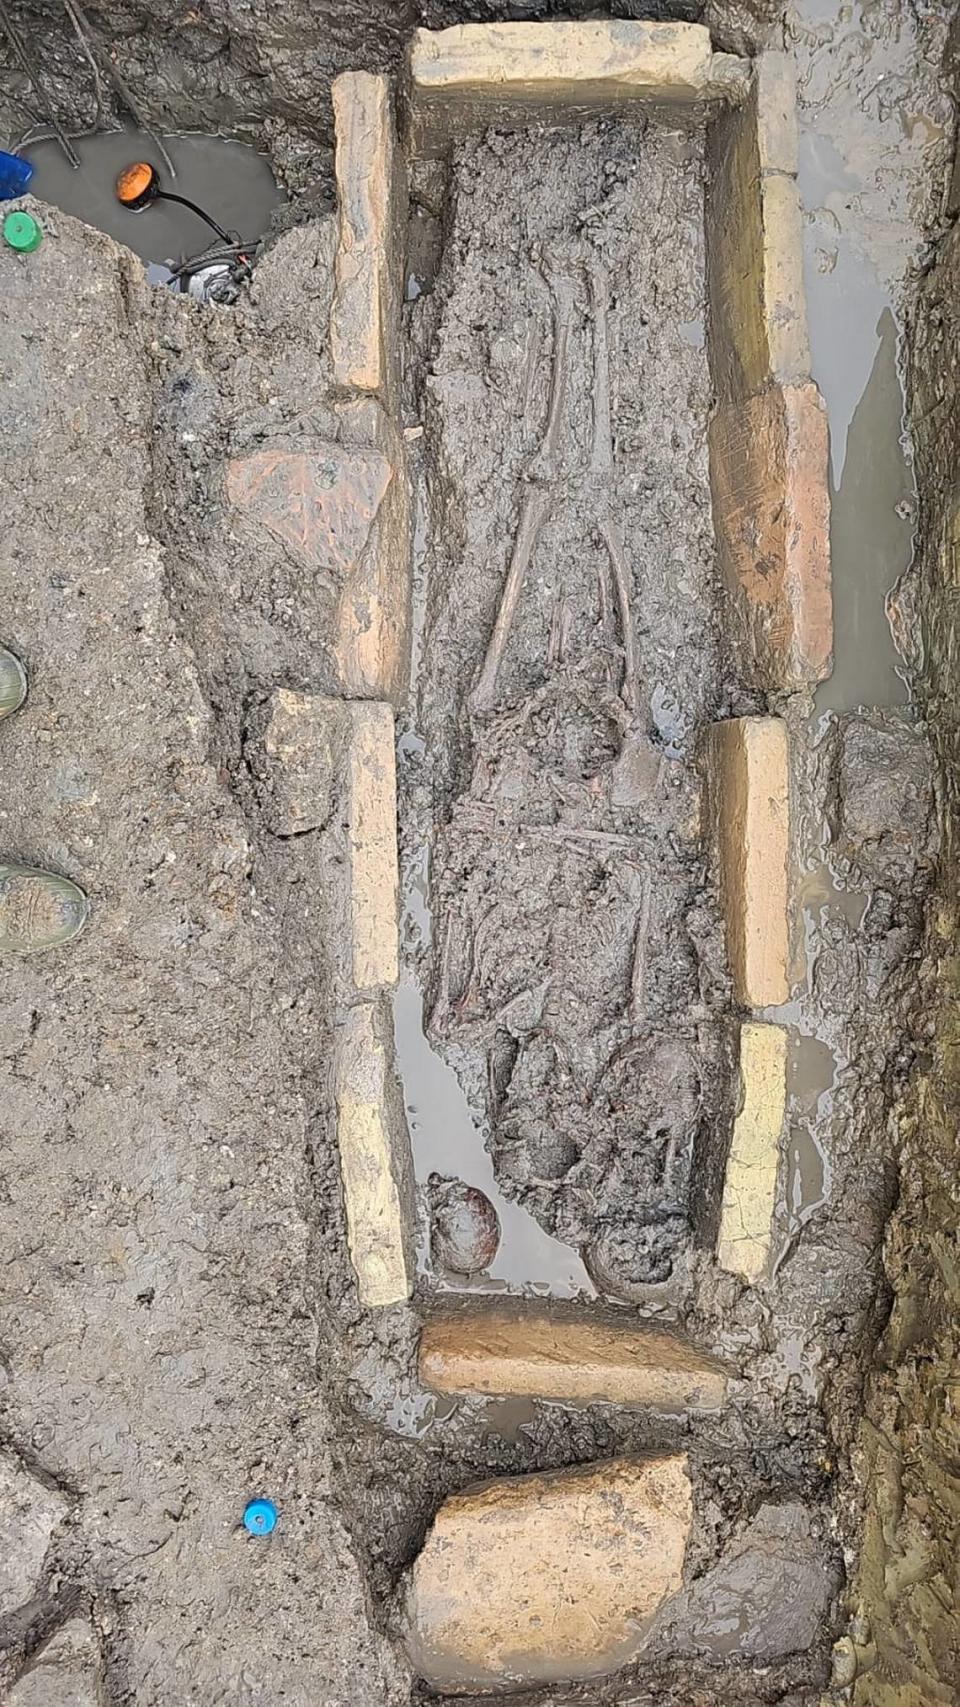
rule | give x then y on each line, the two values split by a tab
603	575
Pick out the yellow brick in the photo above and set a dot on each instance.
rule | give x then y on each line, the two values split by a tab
774	99
750	1186
755	241
366	301
374	880
547	1578
372	1164
573	1359
749	787
473	75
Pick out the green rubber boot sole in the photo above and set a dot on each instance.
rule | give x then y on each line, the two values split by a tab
38	909
13	683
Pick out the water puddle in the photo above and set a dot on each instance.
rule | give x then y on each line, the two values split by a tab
446	1139
230	180
855	157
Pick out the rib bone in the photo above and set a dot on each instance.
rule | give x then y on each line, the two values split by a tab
601	460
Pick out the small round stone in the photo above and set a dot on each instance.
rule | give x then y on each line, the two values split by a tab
844	1663
13	683
38	909
260	1517
465	1231
624	1259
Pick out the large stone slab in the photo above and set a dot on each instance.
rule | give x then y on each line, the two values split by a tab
29	1513
67	1673
548	1578
582	1359
768	1595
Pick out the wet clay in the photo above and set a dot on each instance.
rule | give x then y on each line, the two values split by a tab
568	662
180	1324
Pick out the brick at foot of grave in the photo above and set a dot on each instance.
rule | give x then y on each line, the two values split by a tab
549	1578
330	765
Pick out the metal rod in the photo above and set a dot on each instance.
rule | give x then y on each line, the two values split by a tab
23	59
120	84
90	59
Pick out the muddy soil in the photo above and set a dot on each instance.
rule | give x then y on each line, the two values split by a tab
158	1117
566	675
178	1322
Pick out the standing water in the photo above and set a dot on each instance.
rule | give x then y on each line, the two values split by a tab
230	180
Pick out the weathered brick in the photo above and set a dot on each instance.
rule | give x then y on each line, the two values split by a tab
547	1578
372	1144
749	787
300	761
371	638
374	880
750	1186
755	242
315	753
771	510
478	74
368	284
320	503
582	1359
773	98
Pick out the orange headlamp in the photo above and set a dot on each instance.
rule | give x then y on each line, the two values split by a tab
137	185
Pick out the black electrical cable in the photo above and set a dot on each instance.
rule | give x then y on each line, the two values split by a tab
168	196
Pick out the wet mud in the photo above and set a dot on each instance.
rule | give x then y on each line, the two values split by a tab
575	969
180	1327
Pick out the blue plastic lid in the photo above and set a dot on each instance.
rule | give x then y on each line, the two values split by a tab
15	175
260	1517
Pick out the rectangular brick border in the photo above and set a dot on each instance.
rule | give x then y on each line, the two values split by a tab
373	619
768	441
750	1185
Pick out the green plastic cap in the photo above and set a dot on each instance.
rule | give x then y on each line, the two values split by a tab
22	232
